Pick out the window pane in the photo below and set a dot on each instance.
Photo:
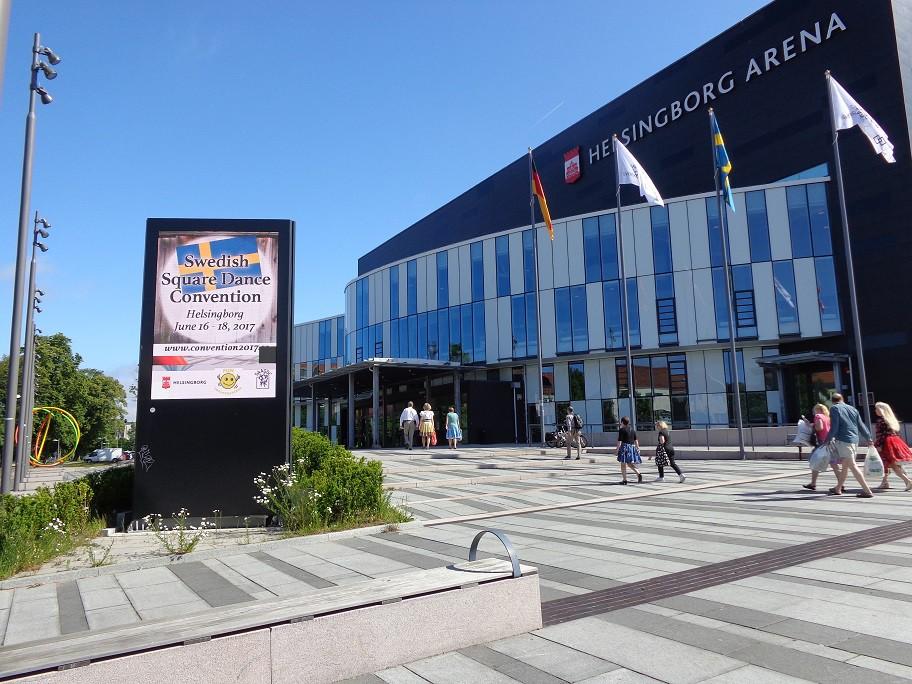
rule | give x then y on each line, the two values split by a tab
666	314
394	291
756	408
786	298
745	311
661	409
478	326
468	341
757	225
633	312
580	318
433	345
528	261
531	325
562	319
443	332
609	415
378	342
477	258
644	414
716	254
720	300
443	280
661	380
412	286
394	339
620	372
661	240
609	250
799	223
502	262
680	413
642	376
518	310
726	363
403	337
827	300
577	381
548	382
614	329
340	336
677	372
591	256
422	336
455	335
820	219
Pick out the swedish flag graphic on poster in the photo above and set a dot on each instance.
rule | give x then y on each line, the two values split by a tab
215	319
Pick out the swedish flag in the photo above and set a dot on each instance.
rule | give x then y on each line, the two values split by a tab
723	163
237	256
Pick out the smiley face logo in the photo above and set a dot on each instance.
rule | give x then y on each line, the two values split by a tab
228	380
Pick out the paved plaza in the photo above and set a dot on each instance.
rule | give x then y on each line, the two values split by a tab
737	575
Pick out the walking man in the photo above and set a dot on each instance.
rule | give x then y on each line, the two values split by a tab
572	426
409	421
846	428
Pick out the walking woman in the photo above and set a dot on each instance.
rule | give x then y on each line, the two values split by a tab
822	430
453	433
628	450
665	453
426	425
891	447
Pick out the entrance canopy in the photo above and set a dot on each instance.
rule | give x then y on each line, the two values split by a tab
364	378
799	358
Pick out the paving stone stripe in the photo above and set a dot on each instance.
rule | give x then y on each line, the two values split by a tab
509	666
402	556
209	585
675	584
71	611
292	570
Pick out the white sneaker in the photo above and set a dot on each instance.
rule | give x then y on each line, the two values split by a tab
681	479
659	479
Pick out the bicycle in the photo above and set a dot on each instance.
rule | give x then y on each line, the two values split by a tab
558	439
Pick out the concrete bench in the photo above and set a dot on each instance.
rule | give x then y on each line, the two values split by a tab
320	636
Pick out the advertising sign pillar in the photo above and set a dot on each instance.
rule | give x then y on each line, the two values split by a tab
214	401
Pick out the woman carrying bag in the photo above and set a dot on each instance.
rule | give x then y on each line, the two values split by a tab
453	433
665	453
822	457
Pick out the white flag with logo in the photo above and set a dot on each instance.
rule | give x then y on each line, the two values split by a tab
630	172
847	113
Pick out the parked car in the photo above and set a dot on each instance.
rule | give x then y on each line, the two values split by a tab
106	455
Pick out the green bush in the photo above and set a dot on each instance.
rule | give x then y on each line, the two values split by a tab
325	486
36	527
112	491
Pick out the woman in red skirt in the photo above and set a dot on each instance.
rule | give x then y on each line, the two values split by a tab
892	449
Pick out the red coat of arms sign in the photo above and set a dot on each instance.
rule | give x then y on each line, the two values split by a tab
572	169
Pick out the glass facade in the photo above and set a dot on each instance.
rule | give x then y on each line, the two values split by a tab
773	300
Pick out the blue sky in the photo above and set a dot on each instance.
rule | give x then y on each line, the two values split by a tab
353	118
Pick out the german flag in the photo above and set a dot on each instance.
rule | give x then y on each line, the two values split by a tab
539	192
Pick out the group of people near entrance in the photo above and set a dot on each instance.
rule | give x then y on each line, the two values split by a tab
628	447
840	430
411	421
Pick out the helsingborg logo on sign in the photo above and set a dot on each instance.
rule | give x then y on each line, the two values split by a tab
228	381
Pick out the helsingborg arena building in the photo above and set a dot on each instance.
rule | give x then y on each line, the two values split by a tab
446	309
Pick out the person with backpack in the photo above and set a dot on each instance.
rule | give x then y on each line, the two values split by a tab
573	425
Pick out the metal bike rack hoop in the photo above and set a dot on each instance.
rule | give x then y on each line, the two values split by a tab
505	540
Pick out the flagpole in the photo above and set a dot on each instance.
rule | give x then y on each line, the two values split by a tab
624	306
541	370
853	299
732	327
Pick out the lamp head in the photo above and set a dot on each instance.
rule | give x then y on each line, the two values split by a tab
43	222
37	308
52	56
40	292
41	246
45	95
49	72
43	233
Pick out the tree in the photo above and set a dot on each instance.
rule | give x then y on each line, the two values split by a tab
97	401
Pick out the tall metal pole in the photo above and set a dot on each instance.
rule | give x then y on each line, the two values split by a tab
25	412
732	327
538	325
4	32
624	304
853	298
16	326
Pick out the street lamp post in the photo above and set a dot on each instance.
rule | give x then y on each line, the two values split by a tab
6	477
28	372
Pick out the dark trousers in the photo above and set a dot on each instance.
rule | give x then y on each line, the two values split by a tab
671	462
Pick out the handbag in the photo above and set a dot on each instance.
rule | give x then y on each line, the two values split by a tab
434	438
819	460
661	456
873	466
